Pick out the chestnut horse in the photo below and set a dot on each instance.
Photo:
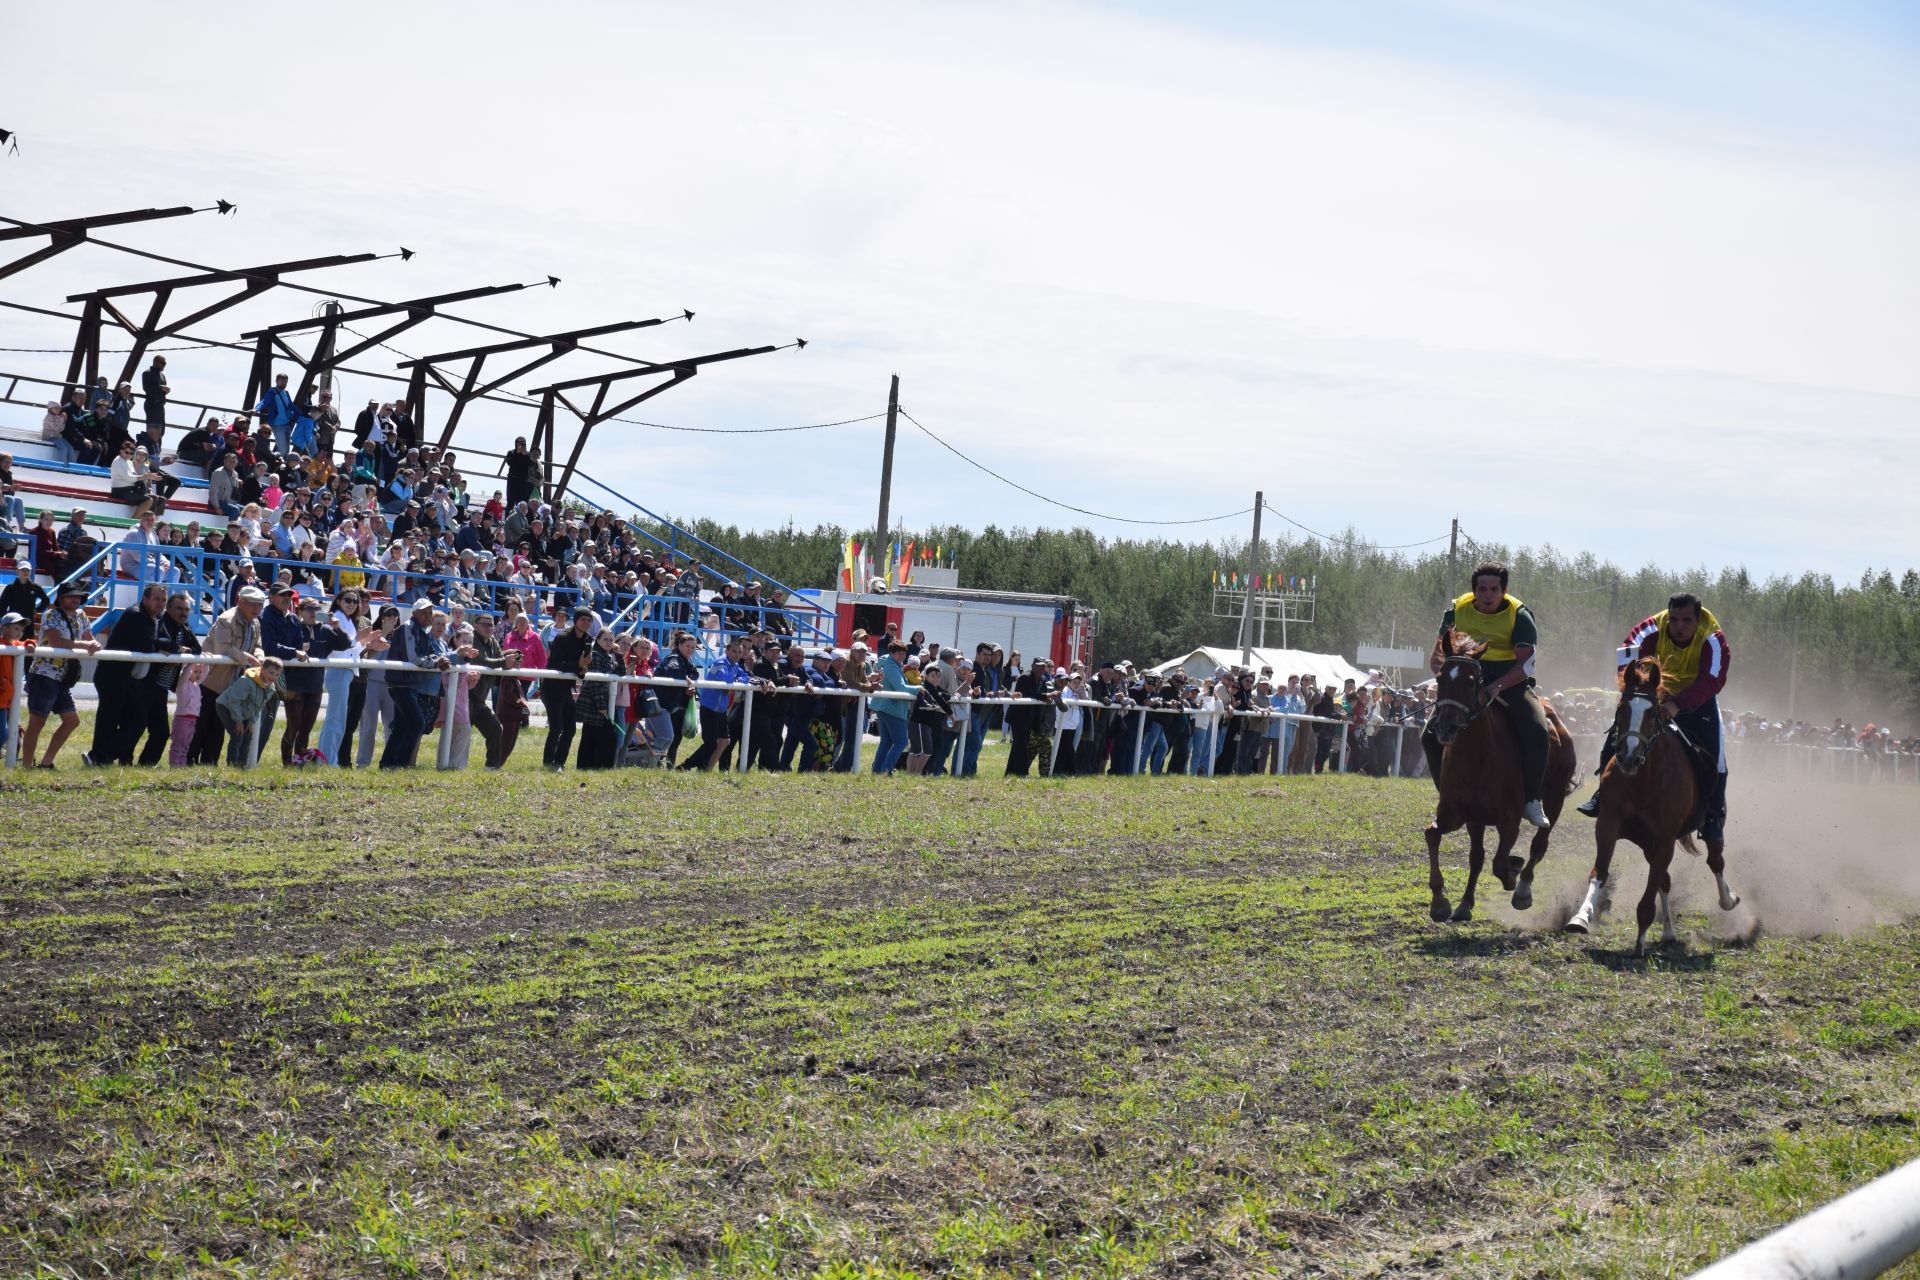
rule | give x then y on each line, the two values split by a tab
1647	796
1480	783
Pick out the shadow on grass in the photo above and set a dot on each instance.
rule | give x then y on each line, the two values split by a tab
1673	959
1453	943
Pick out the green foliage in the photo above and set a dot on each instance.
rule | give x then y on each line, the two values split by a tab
1859	645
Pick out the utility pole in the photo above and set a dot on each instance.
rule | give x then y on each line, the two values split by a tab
1253	560
1793	671
1453	551
886	460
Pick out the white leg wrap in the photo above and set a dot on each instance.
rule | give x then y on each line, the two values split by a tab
1728	898
1589	910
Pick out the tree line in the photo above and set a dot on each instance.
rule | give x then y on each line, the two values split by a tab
1837	648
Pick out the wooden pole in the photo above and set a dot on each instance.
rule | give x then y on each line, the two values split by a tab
1253	560
886	466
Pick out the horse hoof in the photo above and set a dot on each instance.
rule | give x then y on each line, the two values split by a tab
1439	910
1462	914
1575	925
1729	900
1523	897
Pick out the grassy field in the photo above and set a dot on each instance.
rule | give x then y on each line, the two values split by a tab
455	1025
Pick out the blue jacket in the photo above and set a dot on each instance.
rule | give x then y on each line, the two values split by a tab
730	671
894	680
415	645
281	635
276	407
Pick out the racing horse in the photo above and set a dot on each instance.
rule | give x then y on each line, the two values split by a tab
1480	784
1648	795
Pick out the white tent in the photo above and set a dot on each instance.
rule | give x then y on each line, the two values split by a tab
1327	668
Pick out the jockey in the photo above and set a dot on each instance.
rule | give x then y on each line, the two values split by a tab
1489	616
1686	640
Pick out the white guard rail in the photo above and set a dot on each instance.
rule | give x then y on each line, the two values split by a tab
747	692
1862	1234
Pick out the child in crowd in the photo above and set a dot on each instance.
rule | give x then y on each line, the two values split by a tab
13	626
240	706
186	715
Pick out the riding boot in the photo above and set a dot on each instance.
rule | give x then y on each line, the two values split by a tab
1590	807
1713	820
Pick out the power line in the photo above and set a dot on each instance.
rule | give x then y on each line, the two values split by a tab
1131	520
1358	542
112	351
1068	506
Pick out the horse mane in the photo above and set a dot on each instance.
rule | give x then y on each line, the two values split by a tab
1462	645
1641	676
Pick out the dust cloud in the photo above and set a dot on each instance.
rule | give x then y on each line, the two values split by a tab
1808	858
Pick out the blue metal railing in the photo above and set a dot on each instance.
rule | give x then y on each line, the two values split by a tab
822	625
116	574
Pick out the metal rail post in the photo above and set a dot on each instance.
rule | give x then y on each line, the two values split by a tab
859	734
1863	1233
443	753
1345	737
1139	737
14	722
746	732
960	744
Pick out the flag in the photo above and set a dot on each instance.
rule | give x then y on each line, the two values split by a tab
939	554
1216	577
906	564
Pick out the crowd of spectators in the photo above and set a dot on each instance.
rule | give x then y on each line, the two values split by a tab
316	523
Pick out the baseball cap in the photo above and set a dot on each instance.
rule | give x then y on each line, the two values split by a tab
11	619
253	595
418	605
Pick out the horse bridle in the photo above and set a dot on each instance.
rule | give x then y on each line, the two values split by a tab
1473	712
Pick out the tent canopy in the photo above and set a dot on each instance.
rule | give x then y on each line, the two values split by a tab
1324	667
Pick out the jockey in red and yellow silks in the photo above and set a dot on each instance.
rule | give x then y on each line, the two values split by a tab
1694	656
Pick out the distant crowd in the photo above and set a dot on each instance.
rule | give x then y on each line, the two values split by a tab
316	523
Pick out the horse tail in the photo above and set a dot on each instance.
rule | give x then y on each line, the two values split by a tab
1686	842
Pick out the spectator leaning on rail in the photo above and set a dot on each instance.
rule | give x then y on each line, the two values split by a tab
414	644
51	676
13	628
892	713
121	712
241	706
234	634
716	705
569	651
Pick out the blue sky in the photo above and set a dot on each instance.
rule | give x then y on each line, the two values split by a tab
1388	262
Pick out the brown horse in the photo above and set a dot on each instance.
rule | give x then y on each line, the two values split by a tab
1647	796
1480	783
